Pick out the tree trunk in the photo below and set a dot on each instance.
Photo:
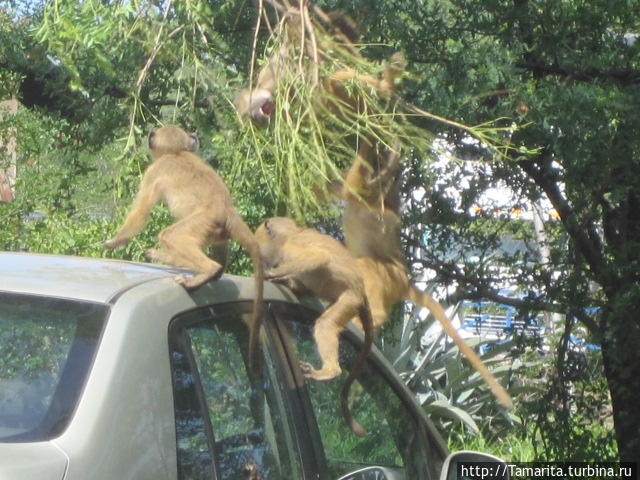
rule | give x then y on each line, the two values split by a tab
621	355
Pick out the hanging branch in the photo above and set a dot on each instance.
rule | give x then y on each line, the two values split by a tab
314	45
255	43
147	66
310	141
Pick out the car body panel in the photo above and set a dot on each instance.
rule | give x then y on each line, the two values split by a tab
32	461
88	279
115	393
129	383
118	395
102	280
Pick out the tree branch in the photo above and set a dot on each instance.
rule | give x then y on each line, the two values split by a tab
585	236
481	291
624	76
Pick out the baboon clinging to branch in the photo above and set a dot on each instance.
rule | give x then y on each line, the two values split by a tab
371	227
257	103
201	204
309	262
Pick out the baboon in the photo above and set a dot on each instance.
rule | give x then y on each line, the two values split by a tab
201	204
309	262
371	227
370	190
258	103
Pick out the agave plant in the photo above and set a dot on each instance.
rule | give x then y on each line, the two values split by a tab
449	389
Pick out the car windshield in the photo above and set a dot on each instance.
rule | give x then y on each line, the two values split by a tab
47	346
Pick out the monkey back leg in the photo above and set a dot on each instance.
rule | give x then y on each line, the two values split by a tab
326	333
385	284
182	244
379	310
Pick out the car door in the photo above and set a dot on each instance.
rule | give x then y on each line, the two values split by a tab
231	424
400	441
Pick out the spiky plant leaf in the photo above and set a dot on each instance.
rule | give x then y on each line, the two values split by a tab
444	409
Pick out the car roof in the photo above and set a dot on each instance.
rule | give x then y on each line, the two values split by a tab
100	280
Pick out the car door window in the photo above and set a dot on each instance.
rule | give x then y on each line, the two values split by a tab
229	423
47	346
396	439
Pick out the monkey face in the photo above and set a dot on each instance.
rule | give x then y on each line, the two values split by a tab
274	227
257	105
262	106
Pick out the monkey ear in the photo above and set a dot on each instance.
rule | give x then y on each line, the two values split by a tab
195	142
152	134
268	228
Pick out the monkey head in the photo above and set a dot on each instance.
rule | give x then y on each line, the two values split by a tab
256	105
171	139
272	234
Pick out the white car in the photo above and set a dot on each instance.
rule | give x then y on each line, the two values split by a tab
111	370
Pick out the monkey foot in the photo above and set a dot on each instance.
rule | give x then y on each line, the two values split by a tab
114	242
321	375
190	283
218	273
199	279
152	254
182	280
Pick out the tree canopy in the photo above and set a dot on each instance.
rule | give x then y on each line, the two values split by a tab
562	77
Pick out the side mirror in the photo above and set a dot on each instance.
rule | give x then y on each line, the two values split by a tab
468	465
373	473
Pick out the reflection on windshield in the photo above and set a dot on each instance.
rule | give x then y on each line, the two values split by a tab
246	414
47	346
395	440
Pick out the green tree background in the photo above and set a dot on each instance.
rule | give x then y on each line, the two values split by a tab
94	77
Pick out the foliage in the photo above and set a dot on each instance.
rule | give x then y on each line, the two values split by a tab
577	85
95	76
511	447
562	409
315	132
107	62
578	426
449	388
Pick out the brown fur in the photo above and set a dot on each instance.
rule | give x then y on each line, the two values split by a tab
371	228
337	85
309	262
201	204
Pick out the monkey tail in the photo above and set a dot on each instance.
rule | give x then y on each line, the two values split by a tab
424	299
241	233
395	66
367	324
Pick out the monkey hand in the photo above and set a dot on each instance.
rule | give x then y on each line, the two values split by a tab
324	374
275	276
282	279
115	242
